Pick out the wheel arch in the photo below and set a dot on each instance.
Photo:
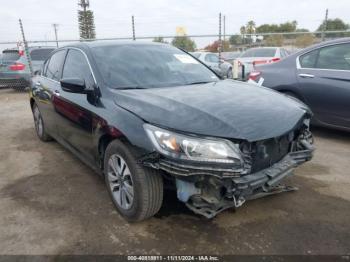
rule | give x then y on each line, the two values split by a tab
289	91
31	101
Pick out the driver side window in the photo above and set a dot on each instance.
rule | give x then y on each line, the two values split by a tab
76	66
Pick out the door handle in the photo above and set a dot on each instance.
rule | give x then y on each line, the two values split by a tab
306	76
57	93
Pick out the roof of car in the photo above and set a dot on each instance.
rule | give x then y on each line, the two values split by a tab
111	43
30	47
325	43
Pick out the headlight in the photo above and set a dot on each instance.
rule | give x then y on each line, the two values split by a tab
193	148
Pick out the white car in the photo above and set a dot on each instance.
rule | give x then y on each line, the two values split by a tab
222	68
259	56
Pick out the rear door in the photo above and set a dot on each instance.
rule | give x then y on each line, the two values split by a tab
45	88
324	79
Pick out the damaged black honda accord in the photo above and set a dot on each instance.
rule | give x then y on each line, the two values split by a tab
145	115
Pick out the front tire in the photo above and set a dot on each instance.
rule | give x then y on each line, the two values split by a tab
136	191
39	125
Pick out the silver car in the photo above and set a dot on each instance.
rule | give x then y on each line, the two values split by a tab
222	68
259	56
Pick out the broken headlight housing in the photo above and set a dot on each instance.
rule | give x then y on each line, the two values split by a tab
205	150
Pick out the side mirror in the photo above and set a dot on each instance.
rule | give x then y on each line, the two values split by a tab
37	72
73	85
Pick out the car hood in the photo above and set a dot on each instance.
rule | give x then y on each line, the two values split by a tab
228	109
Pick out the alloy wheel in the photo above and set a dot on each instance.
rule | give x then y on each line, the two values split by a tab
120	181
38	121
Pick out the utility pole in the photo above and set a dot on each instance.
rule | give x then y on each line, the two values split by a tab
324	25
55	28
26	50
223	46
133	28
220	44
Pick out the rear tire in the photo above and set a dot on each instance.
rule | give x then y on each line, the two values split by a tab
229	73
136	191
39	125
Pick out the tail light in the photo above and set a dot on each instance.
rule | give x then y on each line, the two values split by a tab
276	59
254	75
17	67
273	60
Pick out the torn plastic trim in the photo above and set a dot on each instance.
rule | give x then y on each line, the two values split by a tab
209	202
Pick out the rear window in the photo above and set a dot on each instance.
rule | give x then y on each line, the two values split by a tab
40	54
10	56
260	52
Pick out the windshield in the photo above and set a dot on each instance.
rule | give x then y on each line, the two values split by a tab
10	56
147	66
260	52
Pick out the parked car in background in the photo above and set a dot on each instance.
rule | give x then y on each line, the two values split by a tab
259	56
319	76
222	68
144	113
14	68
230	56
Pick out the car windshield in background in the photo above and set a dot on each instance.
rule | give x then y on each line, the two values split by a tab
260	52
40	54
197	55
147	66
10	56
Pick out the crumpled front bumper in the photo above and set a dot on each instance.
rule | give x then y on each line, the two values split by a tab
266	178
209	190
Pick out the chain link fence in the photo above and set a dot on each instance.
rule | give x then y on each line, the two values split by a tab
16	72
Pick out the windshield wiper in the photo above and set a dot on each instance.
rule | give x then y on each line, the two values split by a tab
129	87
200	82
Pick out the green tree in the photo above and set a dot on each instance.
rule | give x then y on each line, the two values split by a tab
214	47
250	27
334	25
184	42
274	40
236	40
304	40
159	39
86	21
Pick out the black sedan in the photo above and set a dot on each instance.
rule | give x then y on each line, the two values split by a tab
146	114
319	76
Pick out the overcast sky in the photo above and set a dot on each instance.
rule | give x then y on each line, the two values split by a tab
159	17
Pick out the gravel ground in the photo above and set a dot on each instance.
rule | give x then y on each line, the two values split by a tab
51	203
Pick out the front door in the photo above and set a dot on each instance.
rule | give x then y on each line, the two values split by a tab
324	77
75	111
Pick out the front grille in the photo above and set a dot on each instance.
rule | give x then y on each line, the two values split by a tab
267	152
